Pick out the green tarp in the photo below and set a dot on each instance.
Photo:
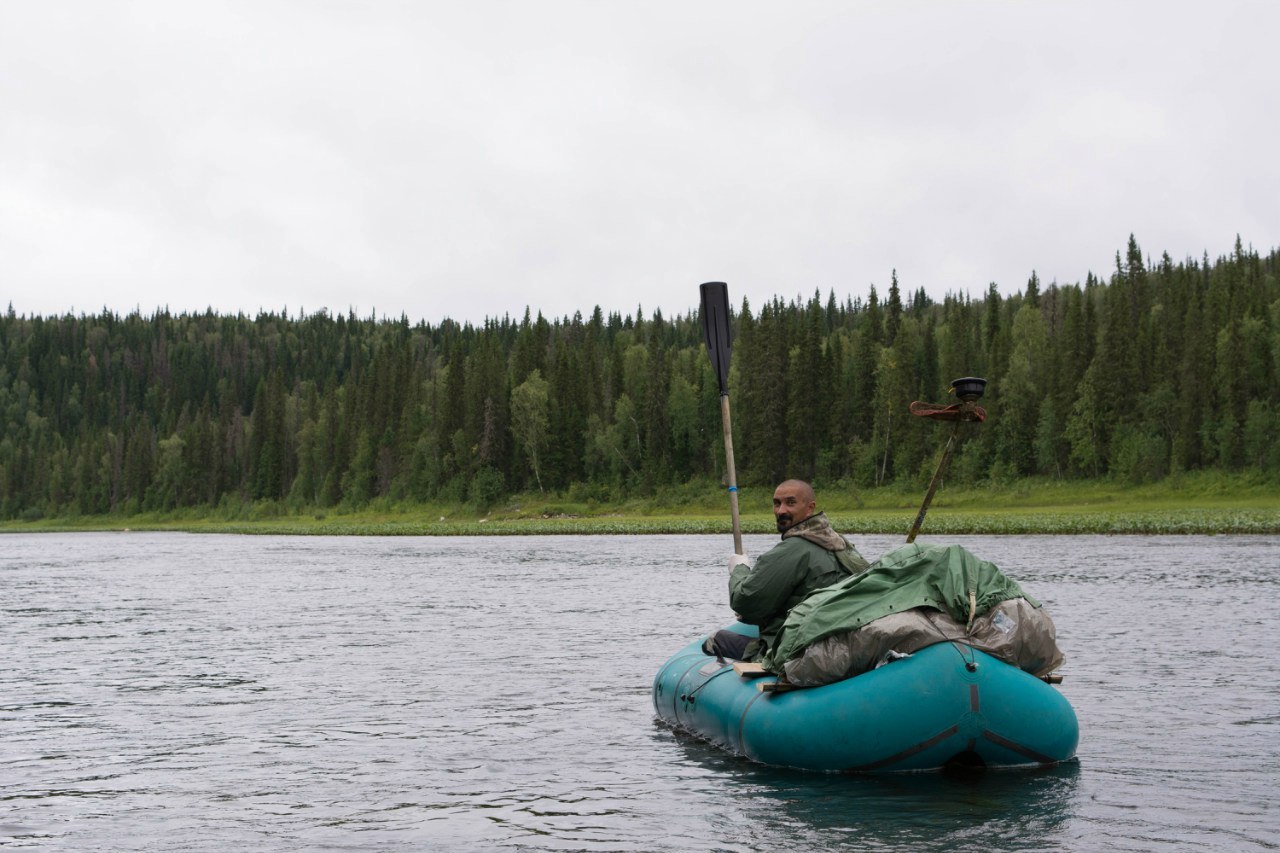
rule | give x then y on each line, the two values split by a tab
937	576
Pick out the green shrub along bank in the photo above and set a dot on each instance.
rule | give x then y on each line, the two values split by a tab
1208	503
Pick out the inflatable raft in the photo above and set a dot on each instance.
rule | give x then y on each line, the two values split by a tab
947	704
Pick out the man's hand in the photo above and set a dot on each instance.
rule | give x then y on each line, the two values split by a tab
738	560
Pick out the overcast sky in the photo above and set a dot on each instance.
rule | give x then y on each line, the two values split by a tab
470	159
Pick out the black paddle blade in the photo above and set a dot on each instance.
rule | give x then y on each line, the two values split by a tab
715	322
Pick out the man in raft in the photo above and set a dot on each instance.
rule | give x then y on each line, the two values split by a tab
810	556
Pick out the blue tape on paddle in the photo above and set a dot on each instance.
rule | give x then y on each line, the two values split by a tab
733	488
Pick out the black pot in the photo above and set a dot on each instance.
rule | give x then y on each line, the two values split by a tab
970	388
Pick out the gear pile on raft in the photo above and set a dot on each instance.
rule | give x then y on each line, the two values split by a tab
911	598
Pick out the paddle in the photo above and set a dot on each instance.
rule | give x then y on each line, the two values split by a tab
715	323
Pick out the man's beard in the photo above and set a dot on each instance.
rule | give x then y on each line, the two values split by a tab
784	521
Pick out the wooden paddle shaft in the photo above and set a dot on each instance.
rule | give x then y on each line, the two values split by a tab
731	474
933	484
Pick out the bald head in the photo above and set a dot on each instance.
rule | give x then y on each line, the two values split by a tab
793	502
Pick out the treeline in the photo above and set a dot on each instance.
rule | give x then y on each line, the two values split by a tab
1160	368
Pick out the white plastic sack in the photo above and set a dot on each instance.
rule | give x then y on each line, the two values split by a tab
1012	631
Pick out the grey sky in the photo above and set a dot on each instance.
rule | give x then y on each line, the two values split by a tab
469	159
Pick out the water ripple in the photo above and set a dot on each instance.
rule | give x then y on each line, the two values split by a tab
180	692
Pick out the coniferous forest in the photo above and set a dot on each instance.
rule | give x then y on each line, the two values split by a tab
1161	367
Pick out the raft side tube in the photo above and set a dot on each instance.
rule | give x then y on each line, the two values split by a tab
945	701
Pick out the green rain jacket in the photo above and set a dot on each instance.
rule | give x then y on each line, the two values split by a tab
810	556
944	577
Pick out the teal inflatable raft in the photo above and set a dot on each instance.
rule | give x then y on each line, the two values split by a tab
947	704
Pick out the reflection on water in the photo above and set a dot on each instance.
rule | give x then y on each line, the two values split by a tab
174	692
1007	810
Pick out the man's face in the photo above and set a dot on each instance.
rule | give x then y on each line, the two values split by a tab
791	506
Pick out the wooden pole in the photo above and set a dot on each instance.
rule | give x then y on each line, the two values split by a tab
731	474
933	484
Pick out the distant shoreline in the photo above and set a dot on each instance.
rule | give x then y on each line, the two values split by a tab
1201	504
1188	521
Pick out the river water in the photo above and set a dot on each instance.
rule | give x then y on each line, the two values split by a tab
188	692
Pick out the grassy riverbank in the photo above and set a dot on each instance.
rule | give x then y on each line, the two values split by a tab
1211	503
